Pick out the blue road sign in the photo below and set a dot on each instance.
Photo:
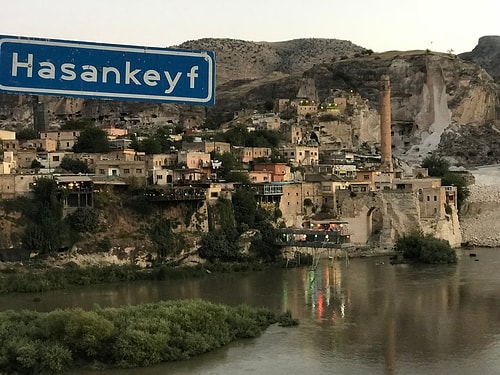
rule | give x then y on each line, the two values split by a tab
106	71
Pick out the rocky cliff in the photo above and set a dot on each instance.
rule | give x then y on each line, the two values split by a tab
430	92
486	54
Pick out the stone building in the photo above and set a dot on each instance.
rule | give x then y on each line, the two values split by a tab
300	154
249	154
65	139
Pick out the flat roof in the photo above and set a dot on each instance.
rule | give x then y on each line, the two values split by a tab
73	178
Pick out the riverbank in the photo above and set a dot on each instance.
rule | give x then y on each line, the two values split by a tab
480	216
36	277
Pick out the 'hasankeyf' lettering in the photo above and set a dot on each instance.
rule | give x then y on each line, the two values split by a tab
81	69
90	73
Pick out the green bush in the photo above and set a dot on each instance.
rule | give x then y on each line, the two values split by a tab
220	245
84	219
37	342
425	248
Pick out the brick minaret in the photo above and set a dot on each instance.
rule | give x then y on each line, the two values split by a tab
385	124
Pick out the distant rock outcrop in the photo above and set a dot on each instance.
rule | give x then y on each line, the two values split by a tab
243	60
486	54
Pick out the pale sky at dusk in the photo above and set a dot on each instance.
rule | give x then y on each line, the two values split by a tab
440	25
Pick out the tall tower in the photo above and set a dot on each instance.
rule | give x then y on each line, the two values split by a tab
40	116
385	124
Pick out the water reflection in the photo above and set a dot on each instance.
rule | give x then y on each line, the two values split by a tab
365	316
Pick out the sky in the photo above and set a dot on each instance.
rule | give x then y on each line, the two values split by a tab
384	25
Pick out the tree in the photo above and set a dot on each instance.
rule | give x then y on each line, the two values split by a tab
229	163
26	133
46	232
35	164
425	248
245	208
236	135
73	165
150	146
163	237
264	245
439	167
239	177
84	219
92	139
453	179
269	105
436	165
220	244
162	136
46	193
262	138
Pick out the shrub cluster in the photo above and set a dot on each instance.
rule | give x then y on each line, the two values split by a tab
425	249
35	342
42	280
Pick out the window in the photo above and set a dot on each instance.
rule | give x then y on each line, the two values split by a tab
138	170
214	194
55	158
126	171
428	198
160	177
435	198
101	171
366	177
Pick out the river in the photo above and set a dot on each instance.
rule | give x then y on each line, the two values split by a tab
363	316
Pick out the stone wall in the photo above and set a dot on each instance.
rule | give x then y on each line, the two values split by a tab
380	218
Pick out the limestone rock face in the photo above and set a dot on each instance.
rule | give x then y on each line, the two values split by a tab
429	93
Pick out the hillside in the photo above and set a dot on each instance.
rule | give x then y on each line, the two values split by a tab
243	60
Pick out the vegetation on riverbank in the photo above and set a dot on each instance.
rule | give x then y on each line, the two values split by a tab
37	343
33	279
425	248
